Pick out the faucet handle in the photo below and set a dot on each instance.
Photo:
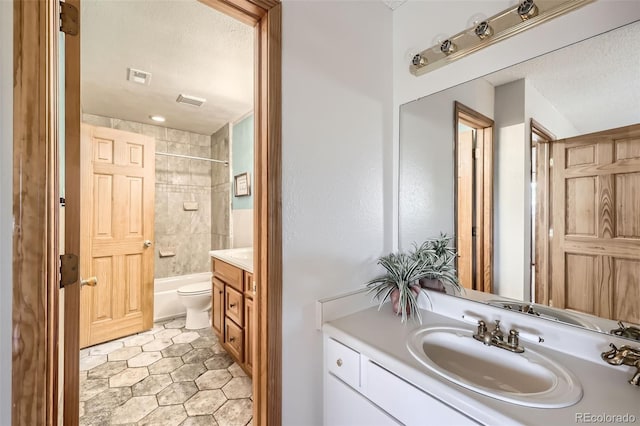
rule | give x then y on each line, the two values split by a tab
497	332
482	328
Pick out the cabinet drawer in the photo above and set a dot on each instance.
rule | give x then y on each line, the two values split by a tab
406	402
248	284
234	306
228	273
344	362
233	339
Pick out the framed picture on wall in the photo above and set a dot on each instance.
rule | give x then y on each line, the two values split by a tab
242	186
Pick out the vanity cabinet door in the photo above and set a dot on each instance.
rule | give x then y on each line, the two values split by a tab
248	334
406	402
345	406
217	310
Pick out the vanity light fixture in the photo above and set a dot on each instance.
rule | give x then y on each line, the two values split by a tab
158	118
527	10
484	32
448	47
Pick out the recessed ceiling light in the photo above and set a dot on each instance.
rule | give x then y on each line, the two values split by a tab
158	118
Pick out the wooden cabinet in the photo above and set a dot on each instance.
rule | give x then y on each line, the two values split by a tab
217	310
232	312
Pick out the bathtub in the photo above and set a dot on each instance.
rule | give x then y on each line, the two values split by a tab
166	303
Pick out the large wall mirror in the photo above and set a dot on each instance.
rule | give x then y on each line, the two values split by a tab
536	171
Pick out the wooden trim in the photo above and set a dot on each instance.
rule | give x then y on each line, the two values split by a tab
35	211
35	252
541	217
249	12
484	249
267	359
73	218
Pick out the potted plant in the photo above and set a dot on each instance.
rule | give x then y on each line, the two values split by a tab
432	261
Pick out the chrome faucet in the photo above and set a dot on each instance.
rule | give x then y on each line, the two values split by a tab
625	355
496	337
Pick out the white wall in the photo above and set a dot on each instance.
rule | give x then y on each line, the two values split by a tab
336	136
6	171
242	221
426	196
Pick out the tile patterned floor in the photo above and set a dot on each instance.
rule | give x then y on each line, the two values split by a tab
165	376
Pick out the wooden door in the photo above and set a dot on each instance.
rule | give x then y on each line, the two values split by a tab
595	248
118	179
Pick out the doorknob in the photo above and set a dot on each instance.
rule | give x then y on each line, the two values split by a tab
91	282
147	243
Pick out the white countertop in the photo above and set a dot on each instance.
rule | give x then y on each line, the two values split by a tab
239	257
381	336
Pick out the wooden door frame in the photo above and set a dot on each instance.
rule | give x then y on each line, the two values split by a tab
35	209
541	218
476	120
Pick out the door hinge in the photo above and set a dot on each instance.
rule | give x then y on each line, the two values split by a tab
69	19
476	153
474	231
68	269
550	162
254	287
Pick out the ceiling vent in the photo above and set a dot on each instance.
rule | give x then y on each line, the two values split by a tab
138	76
190	100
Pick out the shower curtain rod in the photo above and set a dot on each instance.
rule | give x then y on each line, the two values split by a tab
190	157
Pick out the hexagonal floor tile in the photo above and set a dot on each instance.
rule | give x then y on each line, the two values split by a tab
165	365
151	385
213	379
107	370
107	400
200	421
105	348
138	340
177	349
197	355
186	337
236	370
219	362
134	409
157	345
92	387
205	402
92	361
169	415
167	334
238	387
176	323
124	354
128	377
144	359
204	342
234	412
188	372
177	393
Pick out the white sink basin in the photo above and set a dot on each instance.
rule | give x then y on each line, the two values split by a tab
528	379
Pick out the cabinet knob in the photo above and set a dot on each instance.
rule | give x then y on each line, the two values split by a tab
232	305
232	339
339	362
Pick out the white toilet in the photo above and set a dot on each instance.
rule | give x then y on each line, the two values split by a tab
197	299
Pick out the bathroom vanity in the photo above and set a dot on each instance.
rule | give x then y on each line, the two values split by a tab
373	374
232	303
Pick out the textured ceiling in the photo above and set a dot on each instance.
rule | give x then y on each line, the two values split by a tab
594	83
187	47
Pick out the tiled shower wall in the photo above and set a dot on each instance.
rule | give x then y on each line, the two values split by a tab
220	191
188	234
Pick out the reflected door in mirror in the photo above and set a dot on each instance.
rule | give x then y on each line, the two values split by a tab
595	247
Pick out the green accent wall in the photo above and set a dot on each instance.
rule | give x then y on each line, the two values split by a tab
242	159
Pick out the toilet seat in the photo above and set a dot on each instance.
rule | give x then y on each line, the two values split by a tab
196	289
